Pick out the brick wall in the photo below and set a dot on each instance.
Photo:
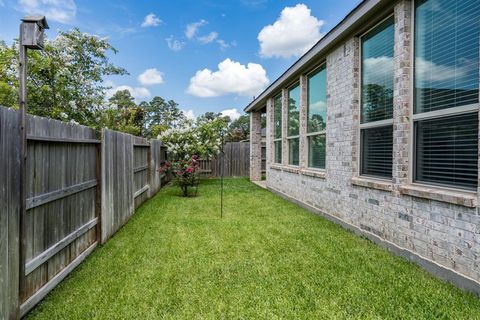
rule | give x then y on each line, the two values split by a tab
438	229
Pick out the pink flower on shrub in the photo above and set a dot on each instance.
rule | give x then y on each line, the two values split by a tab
189	170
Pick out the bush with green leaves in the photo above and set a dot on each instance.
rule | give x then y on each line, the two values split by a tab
203	139
187	144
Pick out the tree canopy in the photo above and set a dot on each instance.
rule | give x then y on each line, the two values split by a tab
66	81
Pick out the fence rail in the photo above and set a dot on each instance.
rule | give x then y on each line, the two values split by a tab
79	191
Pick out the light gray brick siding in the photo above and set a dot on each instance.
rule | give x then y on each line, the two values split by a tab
445	233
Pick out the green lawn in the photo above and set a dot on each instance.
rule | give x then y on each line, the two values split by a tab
267	258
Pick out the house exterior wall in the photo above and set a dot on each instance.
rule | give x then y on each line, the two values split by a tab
436	228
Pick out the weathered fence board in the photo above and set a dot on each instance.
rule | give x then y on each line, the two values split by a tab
236	162
61	197
117	181
141	170
9	212
155	163
79	190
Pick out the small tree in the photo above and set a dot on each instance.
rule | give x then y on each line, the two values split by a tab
65	80
161	115
187	144
122	114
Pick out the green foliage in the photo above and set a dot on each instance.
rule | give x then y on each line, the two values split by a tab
239	129
8	76
209	116
65	81
265	259
203	139
161	115
123	114
122	99
184	172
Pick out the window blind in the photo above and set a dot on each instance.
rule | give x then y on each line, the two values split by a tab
277	116
446	54
377	72
377	144
293	151
446	76
294	111
278	151
447	151
317	100
316	151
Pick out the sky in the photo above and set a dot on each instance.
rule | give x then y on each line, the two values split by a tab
207	55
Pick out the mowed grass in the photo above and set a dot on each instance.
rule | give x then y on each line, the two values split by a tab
266	259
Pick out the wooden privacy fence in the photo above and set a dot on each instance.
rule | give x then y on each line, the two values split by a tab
236	161
79	191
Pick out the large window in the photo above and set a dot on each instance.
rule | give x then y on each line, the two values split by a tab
293	135
277	129
446	92
317	117
376	123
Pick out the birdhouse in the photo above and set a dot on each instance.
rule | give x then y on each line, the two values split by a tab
32	32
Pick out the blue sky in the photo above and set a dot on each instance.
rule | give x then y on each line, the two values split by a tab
207	55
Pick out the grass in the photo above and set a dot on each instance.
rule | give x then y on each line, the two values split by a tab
267	258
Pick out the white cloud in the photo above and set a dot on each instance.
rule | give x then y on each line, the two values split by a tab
63	11
383	67
151	20
429	71
318	107
138	92
233	114
174	44
293	34
231	77
192	28
150	77
208	38
223	45
189	114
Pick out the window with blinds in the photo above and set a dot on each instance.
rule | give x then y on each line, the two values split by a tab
446	92
293	151
376	122
277	128
278	151
377	151
317	151
317	117
293	124
447	150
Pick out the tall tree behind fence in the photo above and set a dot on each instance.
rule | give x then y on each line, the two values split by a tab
80	190
236	162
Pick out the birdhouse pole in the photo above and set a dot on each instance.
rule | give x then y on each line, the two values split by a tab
31	37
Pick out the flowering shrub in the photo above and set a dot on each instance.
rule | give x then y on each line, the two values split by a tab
203	140
185	172
186	144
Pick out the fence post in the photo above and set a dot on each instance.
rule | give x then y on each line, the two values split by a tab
98	190
23	161
149	170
